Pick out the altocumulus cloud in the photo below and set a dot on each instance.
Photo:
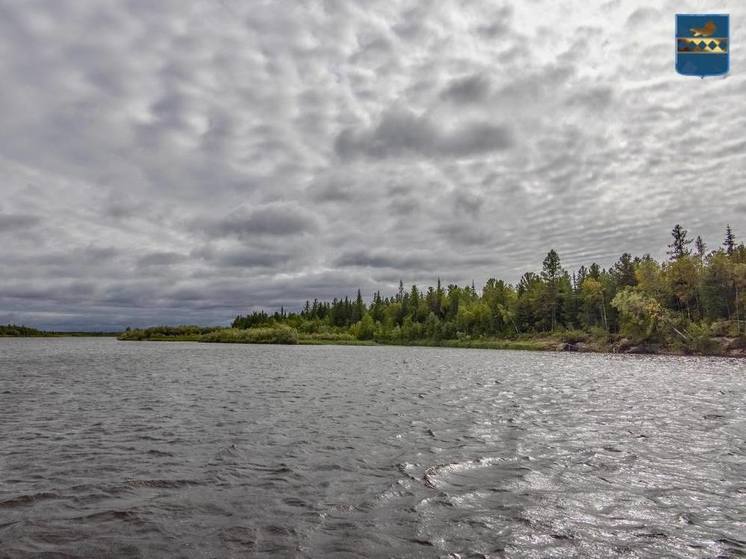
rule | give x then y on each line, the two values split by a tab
15	222
186	160
271	219
404	134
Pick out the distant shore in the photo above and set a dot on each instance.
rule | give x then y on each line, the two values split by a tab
14	331
559	341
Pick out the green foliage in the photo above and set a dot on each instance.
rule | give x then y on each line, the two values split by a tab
280	334
574	336
639	314
365	329
700	340
187	332
13	331
670	304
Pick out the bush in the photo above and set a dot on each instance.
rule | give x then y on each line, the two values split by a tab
330	337
275	335
724	328
574	336
280	334
700	340
188	332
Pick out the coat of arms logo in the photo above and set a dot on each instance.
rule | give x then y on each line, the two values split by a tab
702	44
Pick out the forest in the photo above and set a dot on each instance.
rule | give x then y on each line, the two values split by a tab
693	302
13	331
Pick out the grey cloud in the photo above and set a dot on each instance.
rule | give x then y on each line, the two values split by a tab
500	22
492	30
593	99
465	234
641	16
242	257
184	160
272	219
15	222
470	89
381	259
468	202
403	133
331	189
160	259
125	209
417	266
67	291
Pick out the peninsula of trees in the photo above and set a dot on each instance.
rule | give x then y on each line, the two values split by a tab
694	302
14	331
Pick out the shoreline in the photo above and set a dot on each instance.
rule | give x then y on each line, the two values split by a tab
538	344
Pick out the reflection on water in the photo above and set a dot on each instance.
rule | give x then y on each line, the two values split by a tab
185	450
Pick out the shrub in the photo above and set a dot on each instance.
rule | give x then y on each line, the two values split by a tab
275	335
700	339
574	336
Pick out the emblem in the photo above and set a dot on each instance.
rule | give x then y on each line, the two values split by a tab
702	44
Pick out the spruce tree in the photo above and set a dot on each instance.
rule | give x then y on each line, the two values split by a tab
699	244
730	240
678	247
359	309
551	273
624	271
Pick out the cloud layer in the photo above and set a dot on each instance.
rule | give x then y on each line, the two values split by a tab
183	161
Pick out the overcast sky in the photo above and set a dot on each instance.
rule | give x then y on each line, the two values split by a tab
171	161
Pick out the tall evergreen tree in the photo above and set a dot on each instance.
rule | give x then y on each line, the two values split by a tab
358	310
623	271
551	272
678	246
730	240
699	244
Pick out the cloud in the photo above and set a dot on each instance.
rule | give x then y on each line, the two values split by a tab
642	15
380	259
470	89
276	219
242	257
401	133
160	259
15	222
183	160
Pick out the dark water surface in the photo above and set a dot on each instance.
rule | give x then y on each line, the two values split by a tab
126	449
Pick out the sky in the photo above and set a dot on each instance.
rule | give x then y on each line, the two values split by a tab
183	161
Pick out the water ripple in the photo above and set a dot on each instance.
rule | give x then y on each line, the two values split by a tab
188	450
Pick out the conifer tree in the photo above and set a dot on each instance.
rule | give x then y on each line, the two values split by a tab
551	272
699	244
624	271
730	240
678	247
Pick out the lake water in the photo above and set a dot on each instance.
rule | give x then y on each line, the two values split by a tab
127	449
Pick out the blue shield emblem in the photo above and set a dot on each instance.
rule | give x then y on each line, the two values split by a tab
702	44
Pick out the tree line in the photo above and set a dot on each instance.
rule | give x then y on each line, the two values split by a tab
692	296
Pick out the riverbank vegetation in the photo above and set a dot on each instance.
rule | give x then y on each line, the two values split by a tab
14	331
694	302
269	334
